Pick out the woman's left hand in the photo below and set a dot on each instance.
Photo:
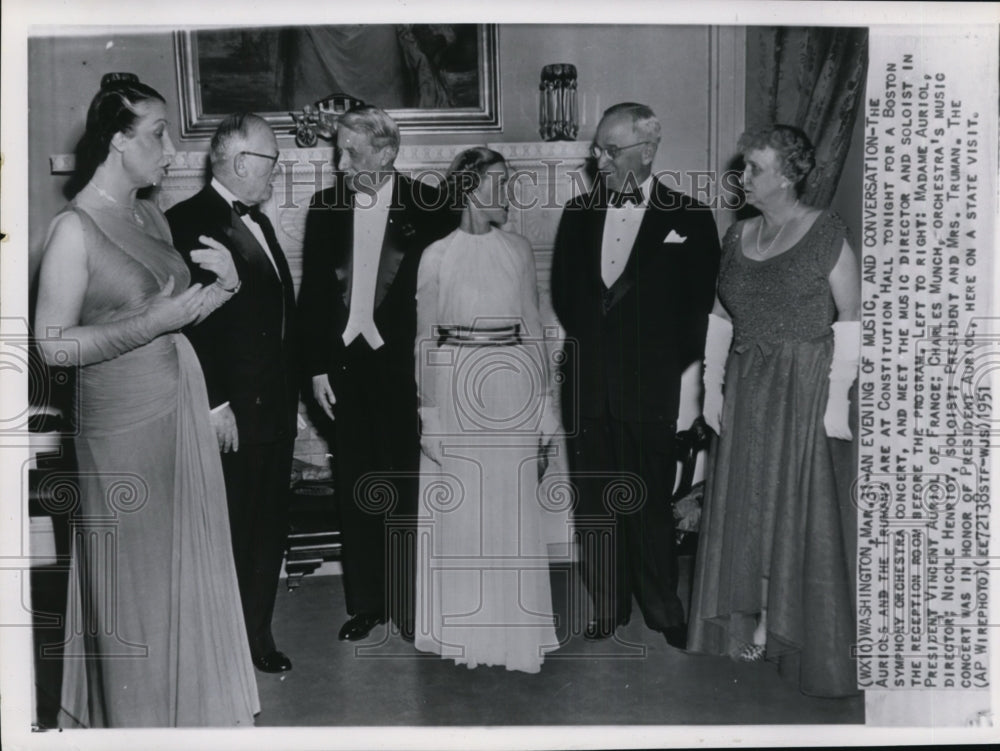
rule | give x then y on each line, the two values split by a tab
835	419
215	257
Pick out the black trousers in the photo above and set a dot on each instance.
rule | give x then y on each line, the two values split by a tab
624	475
377	464
257	478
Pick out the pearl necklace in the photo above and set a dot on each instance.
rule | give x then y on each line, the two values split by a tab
112	200
777	235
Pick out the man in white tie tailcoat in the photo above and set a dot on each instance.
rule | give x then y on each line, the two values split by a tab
357	304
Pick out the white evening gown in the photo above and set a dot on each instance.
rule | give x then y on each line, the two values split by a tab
483	590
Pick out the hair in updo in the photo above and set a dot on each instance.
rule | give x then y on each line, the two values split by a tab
112	110
466	172
795	152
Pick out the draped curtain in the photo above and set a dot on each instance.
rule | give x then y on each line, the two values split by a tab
812	78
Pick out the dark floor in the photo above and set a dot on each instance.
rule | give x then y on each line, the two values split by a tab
636	680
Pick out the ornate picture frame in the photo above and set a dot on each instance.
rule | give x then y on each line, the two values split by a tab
269	70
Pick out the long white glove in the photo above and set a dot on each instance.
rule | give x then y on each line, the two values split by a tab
720	335
165	312
551	422
430	433
843	371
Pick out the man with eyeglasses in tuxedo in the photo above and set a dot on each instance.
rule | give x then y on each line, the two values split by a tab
247	352
633	280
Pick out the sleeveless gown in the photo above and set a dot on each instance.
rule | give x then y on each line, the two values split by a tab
777	499
482	585
154	630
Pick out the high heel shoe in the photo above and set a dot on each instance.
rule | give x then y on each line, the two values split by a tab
752	653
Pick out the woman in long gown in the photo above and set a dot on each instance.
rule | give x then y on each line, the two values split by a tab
774	576
154	631
483	591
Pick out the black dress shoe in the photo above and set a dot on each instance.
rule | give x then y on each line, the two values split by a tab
677	636
359	627
272	662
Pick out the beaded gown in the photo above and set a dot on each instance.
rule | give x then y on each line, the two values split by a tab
777	499
154	630
483	590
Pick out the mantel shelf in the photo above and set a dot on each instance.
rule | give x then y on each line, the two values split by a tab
544	176
410	155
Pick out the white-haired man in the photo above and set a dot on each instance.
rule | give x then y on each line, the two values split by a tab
364	238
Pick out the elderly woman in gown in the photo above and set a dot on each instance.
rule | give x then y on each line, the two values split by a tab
774	572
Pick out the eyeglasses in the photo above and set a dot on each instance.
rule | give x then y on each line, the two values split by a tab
612	152
273	158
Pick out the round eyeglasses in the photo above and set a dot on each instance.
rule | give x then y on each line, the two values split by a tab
612	152
272	157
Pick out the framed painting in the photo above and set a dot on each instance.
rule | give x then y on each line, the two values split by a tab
429	77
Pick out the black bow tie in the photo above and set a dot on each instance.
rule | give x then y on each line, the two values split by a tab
617	200
242	209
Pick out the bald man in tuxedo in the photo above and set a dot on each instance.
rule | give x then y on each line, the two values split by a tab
247	352
633	281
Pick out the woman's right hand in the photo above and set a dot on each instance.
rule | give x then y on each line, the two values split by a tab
431	446
170	312
717	341
712	409
430	434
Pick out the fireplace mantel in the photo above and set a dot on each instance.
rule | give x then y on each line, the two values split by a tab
545	176
410	155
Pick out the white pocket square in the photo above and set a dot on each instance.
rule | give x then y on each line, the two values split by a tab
673	237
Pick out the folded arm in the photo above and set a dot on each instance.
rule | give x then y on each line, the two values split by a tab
62	286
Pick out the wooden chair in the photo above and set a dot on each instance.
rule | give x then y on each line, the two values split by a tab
688	496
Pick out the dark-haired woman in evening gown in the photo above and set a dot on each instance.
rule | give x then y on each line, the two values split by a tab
155	634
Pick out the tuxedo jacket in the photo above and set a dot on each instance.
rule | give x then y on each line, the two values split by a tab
416	218
628	346
247	346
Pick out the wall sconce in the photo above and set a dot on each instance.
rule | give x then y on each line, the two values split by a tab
320	120
557	116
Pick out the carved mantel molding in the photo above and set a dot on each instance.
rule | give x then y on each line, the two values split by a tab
410	155
545	176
